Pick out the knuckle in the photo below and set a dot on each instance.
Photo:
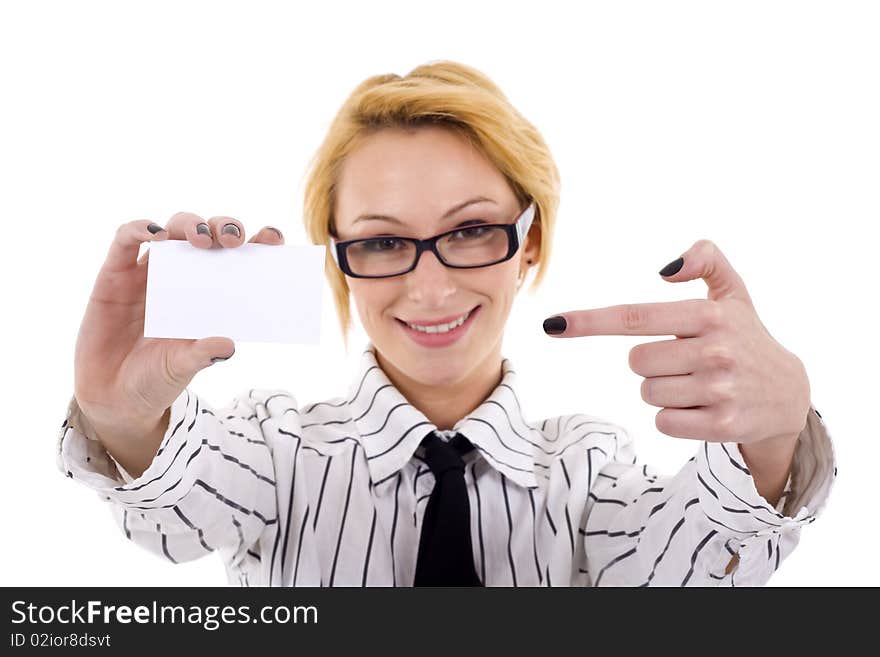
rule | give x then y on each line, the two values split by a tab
635	359
727	426
713	314
179	223
720	389
706	245
718	356
646	390
182	217
633	317
661	421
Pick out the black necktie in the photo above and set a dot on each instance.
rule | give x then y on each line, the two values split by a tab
446	555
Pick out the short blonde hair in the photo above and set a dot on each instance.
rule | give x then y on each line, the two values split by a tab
440	93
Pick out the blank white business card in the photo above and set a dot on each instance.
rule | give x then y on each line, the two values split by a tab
251	293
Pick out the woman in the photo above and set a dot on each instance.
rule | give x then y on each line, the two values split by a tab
435	198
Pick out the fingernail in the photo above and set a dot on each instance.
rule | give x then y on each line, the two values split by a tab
276	230
555	324
155	228
203	229
672	268
231	229
217	359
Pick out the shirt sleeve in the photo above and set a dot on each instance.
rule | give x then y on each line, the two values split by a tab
211	485
645	529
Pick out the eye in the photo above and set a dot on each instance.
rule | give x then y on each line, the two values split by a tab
382	244
471	233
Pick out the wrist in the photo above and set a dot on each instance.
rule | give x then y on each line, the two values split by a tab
769	462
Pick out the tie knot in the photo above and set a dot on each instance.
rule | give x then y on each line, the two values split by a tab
443	456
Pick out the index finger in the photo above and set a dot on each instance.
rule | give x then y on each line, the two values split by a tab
688	318
123	251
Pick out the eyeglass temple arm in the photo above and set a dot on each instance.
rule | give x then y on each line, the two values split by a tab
524	223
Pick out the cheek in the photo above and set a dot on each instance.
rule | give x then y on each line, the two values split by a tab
371	301
503	282
498	286
497	279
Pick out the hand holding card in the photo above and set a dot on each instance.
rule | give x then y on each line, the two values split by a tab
153	322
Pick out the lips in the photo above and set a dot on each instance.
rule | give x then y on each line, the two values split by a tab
438	339
441	320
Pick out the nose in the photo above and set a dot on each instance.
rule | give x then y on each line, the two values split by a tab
431	282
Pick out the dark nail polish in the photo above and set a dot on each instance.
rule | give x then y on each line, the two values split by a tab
276	230
155	228
203	229
555	324
673	267
231	229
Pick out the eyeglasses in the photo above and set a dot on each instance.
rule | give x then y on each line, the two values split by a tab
466	247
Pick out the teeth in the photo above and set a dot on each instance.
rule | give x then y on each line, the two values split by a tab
440	328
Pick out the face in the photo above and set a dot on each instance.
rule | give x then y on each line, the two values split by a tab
417	177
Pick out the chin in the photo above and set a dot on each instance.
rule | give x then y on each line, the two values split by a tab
428	367
443	374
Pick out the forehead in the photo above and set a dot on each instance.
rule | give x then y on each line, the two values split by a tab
414	174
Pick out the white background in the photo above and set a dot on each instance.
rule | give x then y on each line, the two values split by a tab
753	124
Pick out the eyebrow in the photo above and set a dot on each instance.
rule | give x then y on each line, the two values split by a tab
449	213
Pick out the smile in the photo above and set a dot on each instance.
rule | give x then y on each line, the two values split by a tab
440	328
443	334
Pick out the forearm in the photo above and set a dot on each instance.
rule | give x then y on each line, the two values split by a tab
770	461
770	464
133	448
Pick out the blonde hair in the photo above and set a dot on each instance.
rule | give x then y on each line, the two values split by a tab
439	93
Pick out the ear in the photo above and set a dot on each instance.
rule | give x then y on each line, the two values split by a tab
532	246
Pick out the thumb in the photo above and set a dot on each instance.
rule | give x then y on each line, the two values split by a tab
705	260
214	349
190	359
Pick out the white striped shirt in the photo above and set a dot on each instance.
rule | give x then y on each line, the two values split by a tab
333	493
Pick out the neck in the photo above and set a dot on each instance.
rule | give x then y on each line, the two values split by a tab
446	405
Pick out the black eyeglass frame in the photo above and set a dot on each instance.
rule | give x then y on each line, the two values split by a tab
516	233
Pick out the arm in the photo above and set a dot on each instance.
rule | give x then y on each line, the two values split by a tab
210	485
706	526
131	448
770	462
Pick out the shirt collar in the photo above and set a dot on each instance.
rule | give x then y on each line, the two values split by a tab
390	428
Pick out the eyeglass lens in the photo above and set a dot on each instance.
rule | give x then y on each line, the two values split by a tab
468	247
